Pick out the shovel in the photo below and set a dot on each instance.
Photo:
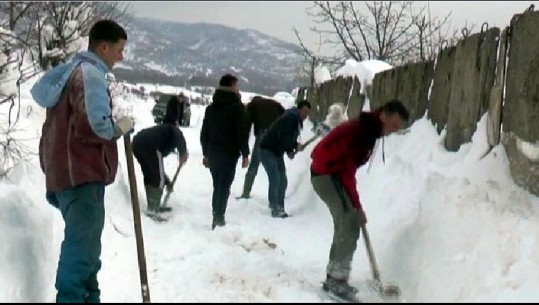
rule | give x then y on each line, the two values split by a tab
385	290
321	129
167	196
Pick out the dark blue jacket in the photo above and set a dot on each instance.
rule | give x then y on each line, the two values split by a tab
282	136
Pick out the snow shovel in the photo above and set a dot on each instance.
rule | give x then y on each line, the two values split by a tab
321	129
388	290
167	196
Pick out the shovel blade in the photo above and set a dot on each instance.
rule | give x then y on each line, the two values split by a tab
391	291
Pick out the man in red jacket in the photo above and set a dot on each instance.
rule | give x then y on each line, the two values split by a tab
335	160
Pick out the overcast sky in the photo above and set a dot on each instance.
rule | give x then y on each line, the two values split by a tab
278	18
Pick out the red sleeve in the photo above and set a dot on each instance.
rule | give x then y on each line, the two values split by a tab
332	152
348	181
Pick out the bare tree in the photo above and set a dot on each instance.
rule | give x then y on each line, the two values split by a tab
13	12
313	60
37	28
118	11
34	23
23	26
11	76
71	20
392	31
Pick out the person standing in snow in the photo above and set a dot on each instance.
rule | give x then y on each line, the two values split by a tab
335	160
261	112
280	138
335	115
175	109
150	146
79	156
224	138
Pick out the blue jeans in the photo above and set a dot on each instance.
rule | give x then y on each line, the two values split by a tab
83	210
276	170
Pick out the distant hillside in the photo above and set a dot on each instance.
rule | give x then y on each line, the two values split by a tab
199	54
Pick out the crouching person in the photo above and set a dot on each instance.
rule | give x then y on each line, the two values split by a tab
150	146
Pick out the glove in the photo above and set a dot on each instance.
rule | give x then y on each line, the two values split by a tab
291	154
244	162
362	217
183	159
124	125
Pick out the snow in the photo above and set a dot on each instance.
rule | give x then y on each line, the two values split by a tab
8	38
336	115
9	63
530	150
321	74
286	99
9	74
153	66
348	70
445	226
363	70
123	66
56	52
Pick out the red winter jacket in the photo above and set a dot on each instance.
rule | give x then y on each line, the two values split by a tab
345	149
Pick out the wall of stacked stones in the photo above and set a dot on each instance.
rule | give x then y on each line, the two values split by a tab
465	82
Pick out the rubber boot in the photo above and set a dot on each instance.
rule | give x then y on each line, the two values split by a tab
153	196
247	186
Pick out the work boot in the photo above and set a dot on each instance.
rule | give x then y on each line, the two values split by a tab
339	287
153	196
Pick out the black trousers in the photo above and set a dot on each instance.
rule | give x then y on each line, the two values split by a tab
151	164
223	170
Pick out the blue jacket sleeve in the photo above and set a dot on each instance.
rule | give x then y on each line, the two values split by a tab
97	102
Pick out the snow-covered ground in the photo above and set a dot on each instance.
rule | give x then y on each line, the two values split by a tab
445	227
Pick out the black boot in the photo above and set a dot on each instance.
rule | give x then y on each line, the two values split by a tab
164	209
218	222
278	213
247	186
340	288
